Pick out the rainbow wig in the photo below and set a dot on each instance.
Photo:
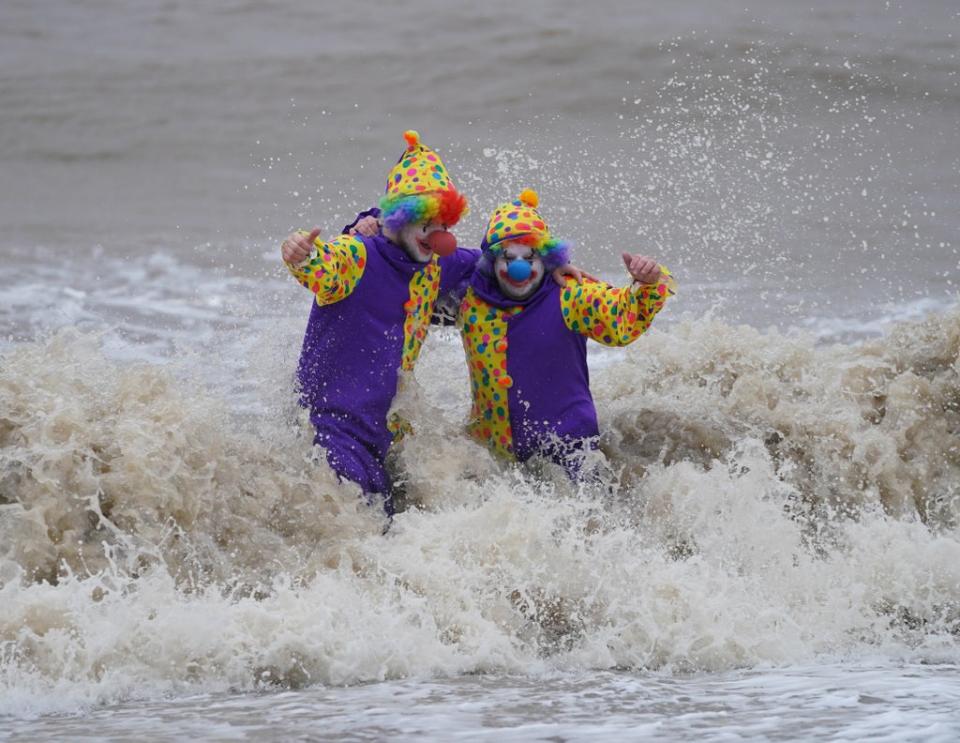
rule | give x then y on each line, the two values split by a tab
399	210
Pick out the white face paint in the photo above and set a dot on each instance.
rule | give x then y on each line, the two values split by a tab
514	288
413	239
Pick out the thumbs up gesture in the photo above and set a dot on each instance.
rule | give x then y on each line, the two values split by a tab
644	270
298	246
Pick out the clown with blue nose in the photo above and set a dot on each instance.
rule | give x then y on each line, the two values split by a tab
518	269
526	338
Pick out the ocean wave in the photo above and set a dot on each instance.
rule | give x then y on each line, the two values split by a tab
769	501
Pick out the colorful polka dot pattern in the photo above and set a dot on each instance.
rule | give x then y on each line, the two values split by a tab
424	287
398	426
420	170
484	332
334	269
610	315
513	220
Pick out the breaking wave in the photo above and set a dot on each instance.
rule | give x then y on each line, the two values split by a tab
769	501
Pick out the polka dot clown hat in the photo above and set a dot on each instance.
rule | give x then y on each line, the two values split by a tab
519	221
419	189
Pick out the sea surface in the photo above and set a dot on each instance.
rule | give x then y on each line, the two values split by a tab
775	554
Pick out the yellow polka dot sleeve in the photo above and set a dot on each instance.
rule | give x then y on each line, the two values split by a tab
333	270
611	315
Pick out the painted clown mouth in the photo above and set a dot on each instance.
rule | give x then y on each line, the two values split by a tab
513	282
424	246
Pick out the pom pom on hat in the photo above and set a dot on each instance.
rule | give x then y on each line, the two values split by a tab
529	197
412	137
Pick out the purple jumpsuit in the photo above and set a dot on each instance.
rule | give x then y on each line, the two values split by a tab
361	332
528	360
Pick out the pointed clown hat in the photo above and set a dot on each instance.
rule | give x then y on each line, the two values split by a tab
519	221
419	189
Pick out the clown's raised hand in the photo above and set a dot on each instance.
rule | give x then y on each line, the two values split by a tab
366	226
644	270
298	246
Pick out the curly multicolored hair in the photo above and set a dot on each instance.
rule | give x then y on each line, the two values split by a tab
447	206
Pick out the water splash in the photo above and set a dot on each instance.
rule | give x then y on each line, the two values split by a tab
773	501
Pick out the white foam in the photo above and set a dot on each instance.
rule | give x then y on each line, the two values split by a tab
774	502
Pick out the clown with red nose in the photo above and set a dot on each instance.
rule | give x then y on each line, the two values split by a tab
525	338
373	297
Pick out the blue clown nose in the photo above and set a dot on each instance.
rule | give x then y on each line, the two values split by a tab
519	270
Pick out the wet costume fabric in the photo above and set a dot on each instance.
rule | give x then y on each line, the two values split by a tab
370	318
371	313
528	357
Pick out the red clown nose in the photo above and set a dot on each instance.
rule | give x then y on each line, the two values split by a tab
442	242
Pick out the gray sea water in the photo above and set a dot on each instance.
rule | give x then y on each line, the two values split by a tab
778	556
